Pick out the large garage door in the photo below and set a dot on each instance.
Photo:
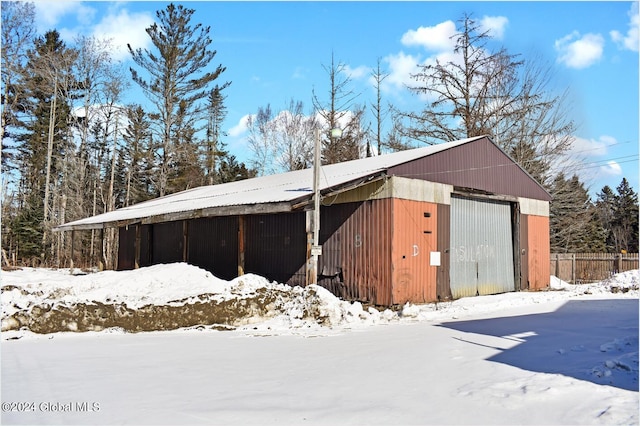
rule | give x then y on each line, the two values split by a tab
481	256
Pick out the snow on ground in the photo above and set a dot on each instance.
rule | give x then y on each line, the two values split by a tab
564	356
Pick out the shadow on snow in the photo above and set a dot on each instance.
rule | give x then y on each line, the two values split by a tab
596	341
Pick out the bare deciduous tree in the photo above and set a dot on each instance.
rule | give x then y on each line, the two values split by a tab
492	93
340	111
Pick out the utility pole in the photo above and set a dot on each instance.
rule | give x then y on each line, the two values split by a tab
316	249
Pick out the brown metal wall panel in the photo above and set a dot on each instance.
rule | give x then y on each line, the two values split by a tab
356	242
480	165
331	265
276	247
126	248
213	245
146	238
443	288
167	242
414	238
538	251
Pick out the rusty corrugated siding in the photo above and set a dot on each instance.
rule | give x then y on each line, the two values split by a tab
479	165
443	287
276	247
356	243
538	252
167	242
414	238
213	245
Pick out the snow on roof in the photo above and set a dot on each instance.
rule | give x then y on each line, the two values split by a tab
279	188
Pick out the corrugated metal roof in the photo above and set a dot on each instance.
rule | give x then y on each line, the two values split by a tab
286	187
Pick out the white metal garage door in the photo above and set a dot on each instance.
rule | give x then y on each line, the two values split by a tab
481	255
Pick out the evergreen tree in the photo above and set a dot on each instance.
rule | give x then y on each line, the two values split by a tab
176	83
625	218
618	217
216	113
231	171
573	219
138	156
45	140
605	206
18	29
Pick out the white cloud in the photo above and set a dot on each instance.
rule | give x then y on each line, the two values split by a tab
401	66
631	40
495	25
437	38
300	73
122	27
356	73
49	13
611	169
579	52
592	147
240	128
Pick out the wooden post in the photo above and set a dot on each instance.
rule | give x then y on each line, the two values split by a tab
185	241
241	244
73	235
102	262
309	268
137	247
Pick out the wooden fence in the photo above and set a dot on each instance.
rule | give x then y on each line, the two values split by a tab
579	268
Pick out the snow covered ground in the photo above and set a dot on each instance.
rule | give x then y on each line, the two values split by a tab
249	351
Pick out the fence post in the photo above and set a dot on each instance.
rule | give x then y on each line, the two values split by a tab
573	268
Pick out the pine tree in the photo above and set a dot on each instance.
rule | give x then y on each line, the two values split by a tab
138	156
175	79
216	113
230	170
625	218
605	207
573	219
44	143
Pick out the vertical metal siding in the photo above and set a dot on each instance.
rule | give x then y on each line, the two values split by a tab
538	252
126	247
146	249
276	247
479	165
443	288
356	240
414	238
167	242
127	250
213	245
481	247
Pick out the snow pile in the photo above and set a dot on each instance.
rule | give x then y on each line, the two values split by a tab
166	297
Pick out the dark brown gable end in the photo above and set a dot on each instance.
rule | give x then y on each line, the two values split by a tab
479	165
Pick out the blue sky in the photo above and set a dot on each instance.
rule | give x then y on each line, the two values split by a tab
275	52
